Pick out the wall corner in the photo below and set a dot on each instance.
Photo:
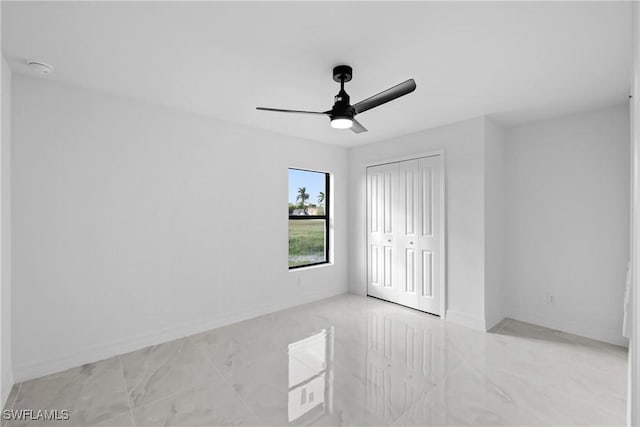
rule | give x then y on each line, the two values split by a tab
6	364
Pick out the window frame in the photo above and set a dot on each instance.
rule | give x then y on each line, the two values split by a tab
325	217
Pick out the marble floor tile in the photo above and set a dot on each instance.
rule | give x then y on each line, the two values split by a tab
264	384
10	401
162	370
124	420
223	348
249	341
92	393
345	361
584	369
12	395
211	405
492	398
468	397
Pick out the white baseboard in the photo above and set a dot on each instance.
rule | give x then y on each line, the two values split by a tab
491	322
464	319
583	329
49	365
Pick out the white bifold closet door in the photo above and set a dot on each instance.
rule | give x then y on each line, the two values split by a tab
404	233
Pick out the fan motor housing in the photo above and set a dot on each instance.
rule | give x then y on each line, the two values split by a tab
341	111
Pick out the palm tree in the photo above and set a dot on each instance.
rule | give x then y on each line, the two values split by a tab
321	198
302	197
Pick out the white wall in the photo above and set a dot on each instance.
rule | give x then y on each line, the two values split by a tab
135	224
567	205
494	219
463	144
6	372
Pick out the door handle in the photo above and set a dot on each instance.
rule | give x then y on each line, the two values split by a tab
411	243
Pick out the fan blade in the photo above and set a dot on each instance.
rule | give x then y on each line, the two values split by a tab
388	95
357	127
278	110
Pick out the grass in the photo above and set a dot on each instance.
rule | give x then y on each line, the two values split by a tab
306	242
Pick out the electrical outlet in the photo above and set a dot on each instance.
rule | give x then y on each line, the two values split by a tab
549	298
299	281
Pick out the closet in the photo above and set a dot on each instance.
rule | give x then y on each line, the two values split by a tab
405	233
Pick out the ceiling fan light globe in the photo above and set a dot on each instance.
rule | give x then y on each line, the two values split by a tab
341	122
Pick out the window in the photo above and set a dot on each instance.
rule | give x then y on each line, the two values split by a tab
308	218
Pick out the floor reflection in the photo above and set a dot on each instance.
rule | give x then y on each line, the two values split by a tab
384	375
311	378
400	365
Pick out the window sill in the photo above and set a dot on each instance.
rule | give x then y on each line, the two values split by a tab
310	267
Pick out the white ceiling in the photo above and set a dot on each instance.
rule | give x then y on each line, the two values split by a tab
516	61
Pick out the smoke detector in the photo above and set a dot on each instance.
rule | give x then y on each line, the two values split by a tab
39	67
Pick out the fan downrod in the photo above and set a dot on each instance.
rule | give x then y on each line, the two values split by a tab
342	73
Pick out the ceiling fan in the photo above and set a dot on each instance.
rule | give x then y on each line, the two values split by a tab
342	114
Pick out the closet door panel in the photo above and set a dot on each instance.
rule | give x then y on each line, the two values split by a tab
382	276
